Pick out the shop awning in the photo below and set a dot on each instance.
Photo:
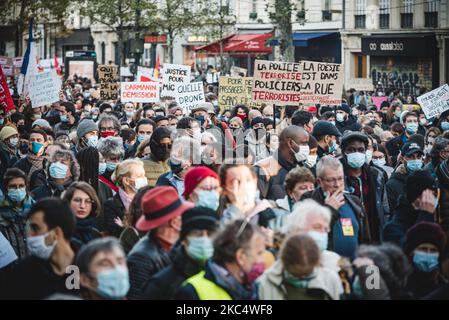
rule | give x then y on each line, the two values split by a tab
240	44
301	39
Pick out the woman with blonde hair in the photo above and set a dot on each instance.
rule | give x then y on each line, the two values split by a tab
129	176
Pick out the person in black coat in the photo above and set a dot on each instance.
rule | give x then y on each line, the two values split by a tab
162	210
9	142
417	205
193	249
345	120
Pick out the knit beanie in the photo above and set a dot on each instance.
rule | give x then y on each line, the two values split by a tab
194	176
198	218
7	132
86	126
424	232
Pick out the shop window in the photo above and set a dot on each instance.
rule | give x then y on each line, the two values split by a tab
407	14
431	14
360	14
384	14
360	70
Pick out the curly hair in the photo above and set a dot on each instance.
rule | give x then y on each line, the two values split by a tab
68	156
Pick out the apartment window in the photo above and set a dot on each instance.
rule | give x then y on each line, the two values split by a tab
384	14
431	14
407	14
327	13
360	14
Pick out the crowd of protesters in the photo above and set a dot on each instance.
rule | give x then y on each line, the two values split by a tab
111	200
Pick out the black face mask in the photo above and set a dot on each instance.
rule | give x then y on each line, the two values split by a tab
175	166
24	148
201	119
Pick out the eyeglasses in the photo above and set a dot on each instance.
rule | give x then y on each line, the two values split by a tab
79	201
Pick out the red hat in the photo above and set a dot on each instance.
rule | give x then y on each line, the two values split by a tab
159	205
312	109
194	176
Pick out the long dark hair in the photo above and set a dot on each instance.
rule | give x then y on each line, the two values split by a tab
88	159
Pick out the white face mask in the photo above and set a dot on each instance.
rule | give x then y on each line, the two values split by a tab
368	156
37	247
340	117
140	183
311	160
302	154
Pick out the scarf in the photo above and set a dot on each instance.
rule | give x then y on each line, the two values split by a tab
126	199
37	163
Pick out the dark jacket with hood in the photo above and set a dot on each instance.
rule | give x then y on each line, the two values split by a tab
145	260
395	186
85	232
404	217
164	284
350	124
442	174
354	203
50	189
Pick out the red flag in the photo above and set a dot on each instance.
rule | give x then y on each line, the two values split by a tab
5	97
57	67
157	66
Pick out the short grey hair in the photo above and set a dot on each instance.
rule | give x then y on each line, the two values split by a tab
111	146
105	117
302	211
327	162
91	249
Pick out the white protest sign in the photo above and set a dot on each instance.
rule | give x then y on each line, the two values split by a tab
144	74
8	70
44	88
3	61
139	92
171	75
435	102
17	62
124	72
189	95
236	71
7	253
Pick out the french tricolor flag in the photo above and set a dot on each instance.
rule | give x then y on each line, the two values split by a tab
29	64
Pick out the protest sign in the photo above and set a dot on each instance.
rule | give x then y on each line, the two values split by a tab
3	60
377	101
435	102
107	75
236	71
140	92
235	90
276	82
7	253
17	62
124	72
6	102
360	84
189	95
321	83
173	74
44	88
8	70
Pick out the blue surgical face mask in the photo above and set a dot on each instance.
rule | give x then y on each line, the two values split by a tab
17	195
101	168
356	159
110	166
36	147
445	125
321	239
142	137
414	165
425	262
411	127
2	121
129	114
208	199
200	249
58	170
92	141
379	162
64	118
333	146
113	283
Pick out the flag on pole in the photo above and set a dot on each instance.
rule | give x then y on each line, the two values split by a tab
157	66
57	66
5	97
29	64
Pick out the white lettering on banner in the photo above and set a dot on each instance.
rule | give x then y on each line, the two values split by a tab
139	92
435	102
172	74
44	88
189	95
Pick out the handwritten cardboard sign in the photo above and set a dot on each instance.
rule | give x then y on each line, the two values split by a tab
107	75
140	92
173	74
435	102
44	88
235	90
189	95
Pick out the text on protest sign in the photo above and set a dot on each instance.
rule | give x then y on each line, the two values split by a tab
435	102
235	90
189	95
139	92
321	83
108	83
6	102
44	88
276	82
171	75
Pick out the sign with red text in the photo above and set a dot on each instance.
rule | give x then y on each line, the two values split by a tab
139	92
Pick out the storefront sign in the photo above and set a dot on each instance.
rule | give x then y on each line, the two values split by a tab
398	46
155	39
